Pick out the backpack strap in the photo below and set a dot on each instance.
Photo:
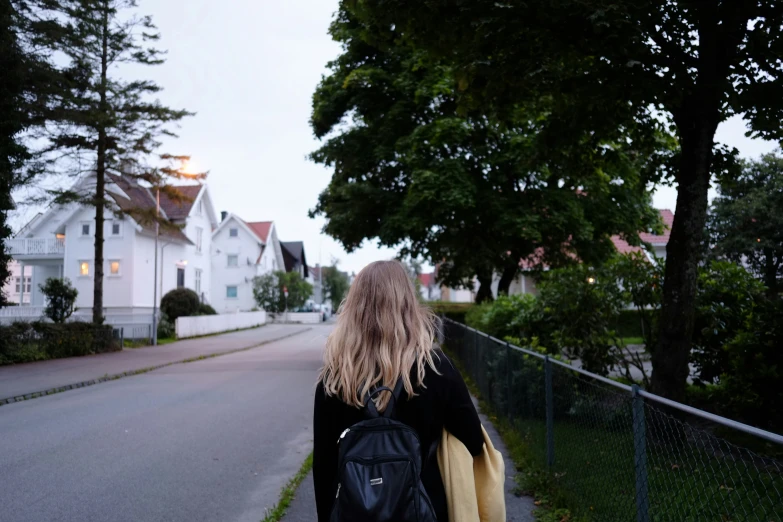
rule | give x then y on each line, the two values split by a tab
369	403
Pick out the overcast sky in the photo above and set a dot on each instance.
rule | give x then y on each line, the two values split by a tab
248	68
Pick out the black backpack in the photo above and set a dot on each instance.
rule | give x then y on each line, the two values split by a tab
379	469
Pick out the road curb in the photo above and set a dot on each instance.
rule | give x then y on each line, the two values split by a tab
130	373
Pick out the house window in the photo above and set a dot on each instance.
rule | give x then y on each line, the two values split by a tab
200	208
116	228
85	229
114	268
233	260
198	281
84	268
231	292
180	278
233	232
199	237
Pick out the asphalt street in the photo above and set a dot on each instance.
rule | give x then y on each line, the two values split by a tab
212	440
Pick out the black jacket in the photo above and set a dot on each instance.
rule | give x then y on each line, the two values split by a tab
444	401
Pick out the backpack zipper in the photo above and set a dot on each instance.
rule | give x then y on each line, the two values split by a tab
343	434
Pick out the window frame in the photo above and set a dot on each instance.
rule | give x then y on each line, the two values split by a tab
118	224
84	262
197	283
228	260
236	291
199	240
119	267
233	232
181	270
83	224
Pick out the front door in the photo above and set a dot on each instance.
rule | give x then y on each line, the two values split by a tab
180	277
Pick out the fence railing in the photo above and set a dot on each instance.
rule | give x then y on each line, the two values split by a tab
36	246
618	453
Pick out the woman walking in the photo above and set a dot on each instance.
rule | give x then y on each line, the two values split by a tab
383	399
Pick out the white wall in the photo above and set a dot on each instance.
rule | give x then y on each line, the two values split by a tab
170	255
199	260
210	324
246	246
117	289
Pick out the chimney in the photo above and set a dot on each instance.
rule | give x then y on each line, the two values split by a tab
223	216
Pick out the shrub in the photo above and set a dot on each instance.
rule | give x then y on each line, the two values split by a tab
180	302
27	342
576	312
61	298
507	316
166	327
725	299
453	311
754	361
205	309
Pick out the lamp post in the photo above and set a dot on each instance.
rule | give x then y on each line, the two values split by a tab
155	277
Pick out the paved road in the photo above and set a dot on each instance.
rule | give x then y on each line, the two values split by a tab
212	440
23	379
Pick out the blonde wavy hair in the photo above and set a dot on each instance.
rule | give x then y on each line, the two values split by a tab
382	332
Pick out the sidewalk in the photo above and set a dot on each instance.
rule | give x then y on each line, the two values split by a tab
23	380
518	509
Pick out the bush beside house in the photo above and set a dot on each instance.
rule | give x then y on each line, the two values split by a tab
27	342
180	302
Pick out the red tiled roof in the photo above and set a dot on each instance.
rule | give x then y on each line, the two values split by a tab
180	209
261	229
667	216
140	203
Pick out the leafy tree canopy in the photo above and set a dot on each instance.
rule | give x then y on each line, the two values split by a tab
746	222
458	188
269	291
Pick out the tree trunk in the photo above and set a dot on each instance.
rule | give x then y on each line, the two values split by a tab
670	359
485	288
507	277
100	178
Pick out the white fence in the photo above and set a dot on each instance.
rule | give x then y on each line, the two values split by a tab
297	317
211	324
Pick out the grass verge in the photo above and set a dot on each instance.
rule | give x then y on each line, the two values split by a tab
289	491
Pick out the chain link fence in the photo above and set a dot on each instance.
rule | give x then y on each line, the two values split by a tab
621	454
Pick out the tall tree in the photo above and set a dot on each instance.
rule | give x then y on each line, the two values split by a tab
465	192
28	84
746	221
109	125
335	284
607	65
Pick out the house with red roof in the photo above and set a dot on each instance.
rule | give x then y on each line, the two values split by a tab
60	243
243	250
653	246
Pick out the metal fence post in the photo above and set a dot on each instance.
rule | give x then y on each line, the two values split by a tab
550	414
640	456
508	381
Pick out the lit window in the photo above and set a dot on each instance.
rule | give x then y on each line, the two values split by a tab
231	292
114	267
84	268
116	229
233	260
85	229
199	236
233	232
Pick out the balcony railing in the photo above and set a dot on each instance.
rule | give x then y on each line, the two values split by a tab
53	246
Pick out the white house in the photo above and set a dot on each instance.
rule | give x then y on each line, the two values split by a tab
60	243
16	290
242	251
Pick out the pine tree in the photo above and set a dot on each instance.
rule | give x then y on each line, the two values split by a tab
110	125
28	83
